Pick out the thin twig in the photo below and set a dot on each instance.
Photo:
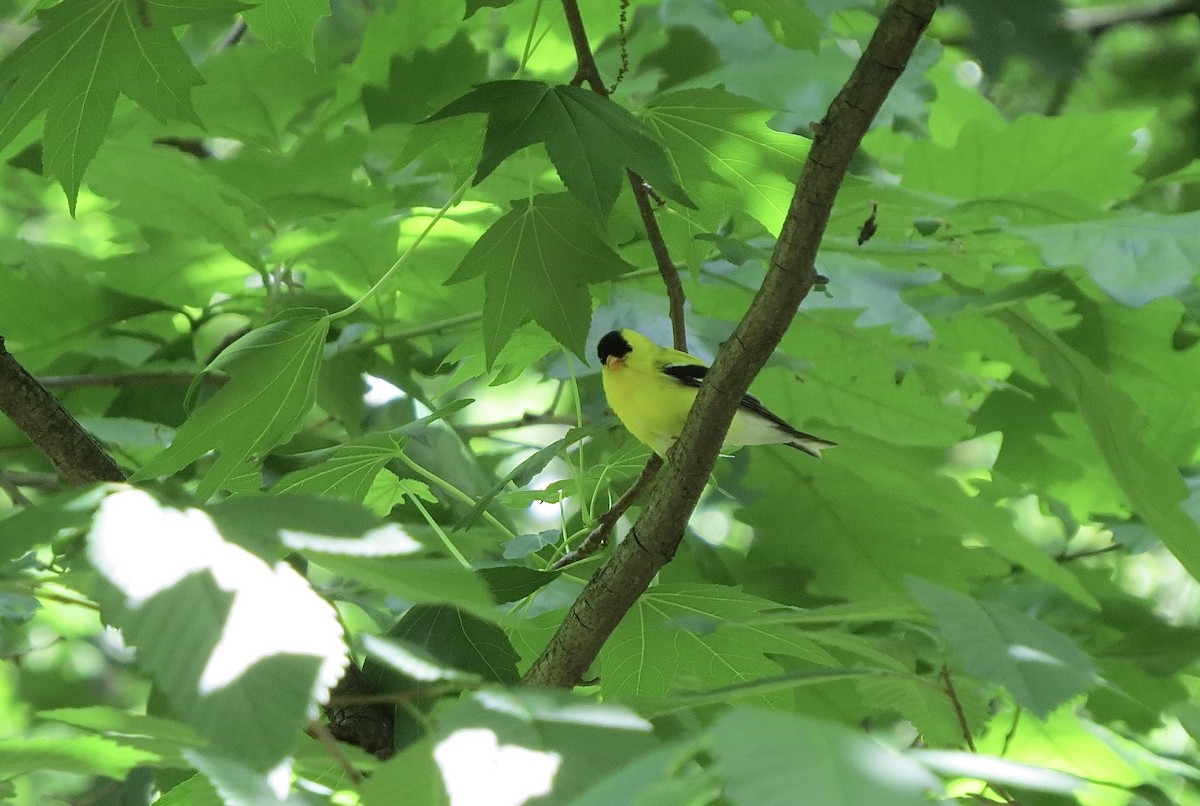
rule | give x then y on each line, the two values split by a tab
13	491
403	697
1079	555
965	727
958	709
524	421
600	534
321	733
130	379
662	257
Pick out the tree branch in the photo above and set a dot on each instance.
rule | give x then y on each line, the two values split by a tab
51	428
599	536
165	378
654	539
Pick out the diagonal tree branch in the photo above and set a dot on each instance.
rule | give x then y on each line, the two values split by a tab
73	451
655	537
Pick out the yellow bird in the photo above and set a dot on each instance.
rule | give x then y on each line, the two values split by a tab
652	388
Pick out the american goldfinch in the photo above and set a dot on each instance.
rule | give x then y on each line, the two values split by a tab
652	388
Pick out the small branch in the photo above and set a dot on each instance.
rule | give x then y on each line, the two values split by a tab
958	709
1079	555
662	257
130	379
524	421
76	454
599	536
404	697
13	491
322	734
655	537
586	71
965	727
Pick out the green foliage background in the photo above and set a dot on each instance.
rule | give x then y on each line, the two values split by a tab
384	237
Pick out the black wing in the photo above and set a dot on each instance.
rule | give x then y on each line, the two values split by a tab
693	374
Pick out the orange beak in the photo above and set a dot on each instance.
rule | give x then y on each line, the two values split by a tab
612	362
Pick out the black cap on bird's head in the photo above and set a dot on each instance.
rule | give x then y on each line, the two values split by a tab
613	345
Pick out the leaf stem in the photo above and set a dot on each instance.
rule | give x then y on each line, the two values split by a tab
439	531
455	197
528	51
584	504
429	475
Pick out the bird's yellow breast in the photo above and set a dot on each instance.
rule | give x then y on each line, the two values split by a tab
652	406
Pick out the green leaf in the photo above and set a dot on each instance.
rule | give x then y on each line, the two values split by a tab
1039	666
115	722
415	661
262	649
58	515
287	23
1152	484
348	473
1135	258
235	782
272	526
995	770
166	738
84	53
590	139
81	755
273	375
688	636
161	188
762	688
876	532
194	791
410	776
508	583
725	153
419	86
662	776
1033	155
415	579
790	22
537	261
767	759
459	640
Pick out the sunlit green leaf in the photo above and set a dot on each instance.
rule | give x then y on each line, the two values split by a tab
85	52
273	383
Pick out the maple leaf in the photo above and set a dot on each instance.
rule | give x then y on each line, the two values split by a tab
85	54
522	257
590	139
